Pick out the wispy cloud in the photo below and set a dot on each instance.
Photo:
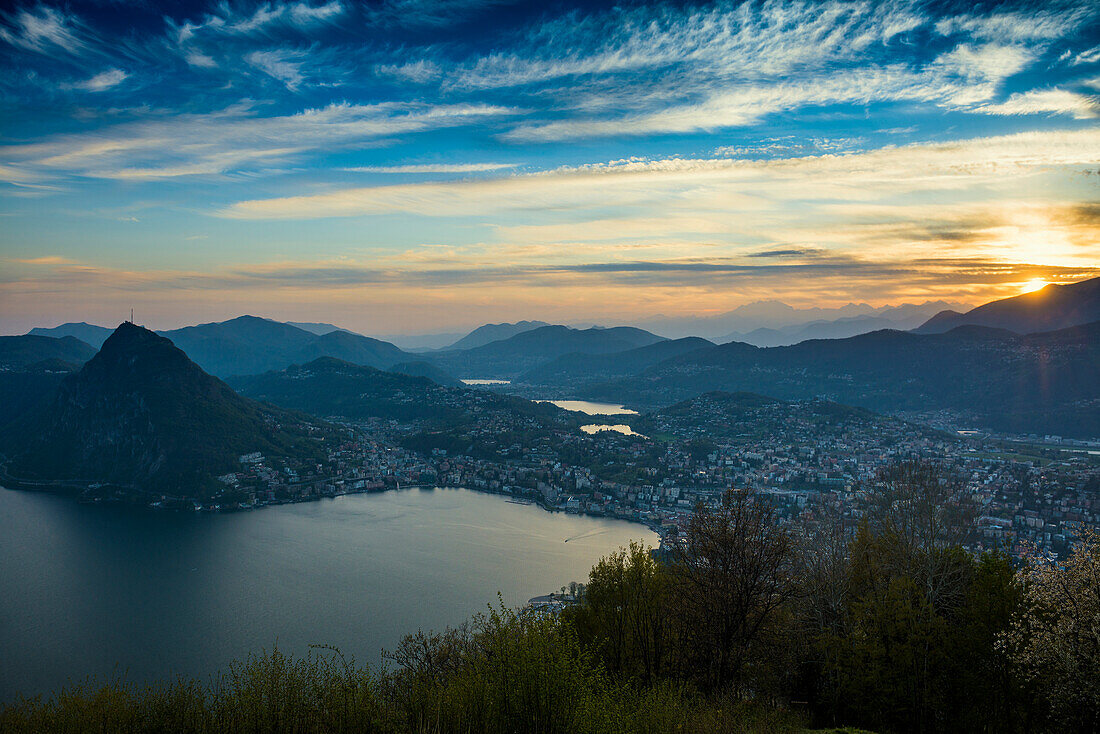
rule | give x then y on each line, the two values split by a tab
435	168
886	171
102	81
1046	101
43	29
282	64
46	260
233	138
228	20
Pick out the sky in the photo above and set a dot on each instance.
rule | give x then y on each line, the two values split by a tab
405	166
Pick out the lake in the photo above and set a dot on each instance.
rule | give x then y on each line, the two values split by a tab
586	406
617	428
85	588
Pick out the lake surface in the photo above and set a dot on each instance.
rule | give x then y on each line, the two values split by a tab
585	406
618	428
84	589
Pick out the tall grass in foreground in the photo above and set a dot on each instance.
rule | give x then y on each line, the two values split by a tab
505	672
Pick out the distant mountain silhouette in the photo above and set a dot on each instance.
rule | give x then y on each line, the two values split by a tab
511	357
489	333
775	321
1052	307
250	345
1044	383
87	333
18	352
574	368
142	415
901	318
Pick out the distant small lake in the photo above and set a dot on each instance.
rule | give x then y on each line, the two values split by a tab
487	382
618	428
585	406
85	587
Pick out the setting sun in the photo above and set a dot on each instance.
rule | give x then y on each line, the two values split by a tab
1033	285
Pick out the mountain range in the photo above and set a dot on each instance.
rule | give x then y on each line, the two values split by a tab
511	357
249	345
577	367
1043	383
1049	308
992	366
768	321
142	416
20	352
489	333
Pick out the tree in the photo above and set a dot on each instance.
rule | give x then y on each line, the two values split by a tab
917	511
912	647
733	575
1056	638
626	613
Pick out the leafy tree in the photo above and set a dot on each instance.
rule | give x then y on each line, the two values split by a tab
627	613
1055	640
733	575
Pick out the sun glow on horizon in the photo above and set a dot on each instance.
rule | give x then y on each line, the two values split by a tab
1033	285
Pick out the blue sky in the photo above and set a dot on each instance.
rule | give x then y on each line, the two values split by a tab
426	166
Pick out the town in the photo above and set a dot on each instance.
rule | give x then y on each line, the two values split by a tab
815	459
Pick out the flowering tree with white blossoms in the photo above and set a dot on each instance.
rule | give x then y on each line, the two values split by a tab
1055	640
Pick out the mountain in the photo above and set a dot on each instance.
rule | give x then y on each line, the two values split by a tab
18	352
250	345
1042	383
1049	308
143	416
87	333
576	368
488	333
421	368
331	387
23	388
354	348
320	329
775	316
904	317
511	357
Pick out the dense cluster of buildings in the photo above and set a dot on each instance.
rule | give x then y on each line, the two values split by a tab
813	459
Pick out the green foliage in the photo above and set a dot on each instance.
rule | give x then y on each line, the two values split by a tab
521	673
627	615
269	692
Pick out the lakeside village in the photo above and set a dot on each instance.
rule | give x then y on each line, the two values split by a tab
813	467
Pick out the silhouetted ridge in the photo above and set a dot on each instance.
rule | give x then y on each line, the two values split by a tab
142	415
1049	308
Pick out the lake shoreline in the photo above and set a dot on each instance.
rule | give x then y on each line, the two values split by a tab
178	505
165	592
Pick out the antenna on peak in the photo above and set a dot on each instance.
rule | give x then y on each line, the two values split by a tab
131	315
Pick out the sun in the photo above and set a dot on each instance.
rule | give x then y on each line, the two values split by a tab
1033	285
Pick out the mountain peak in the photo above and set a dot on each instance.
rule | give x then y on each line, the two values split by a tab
136	352
141	414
